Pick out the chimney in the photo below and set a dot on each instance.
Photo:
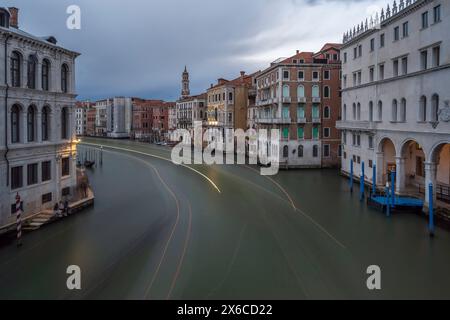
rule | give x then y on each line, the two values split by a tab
298	51
242	74
14	18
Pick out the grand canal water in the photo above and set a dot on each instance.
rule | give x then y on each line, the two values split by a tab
160	231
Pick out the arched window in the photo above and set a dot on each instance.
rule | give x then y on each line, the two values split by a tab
15	124
344	112
326	112
315	151
16	61
371	111
216	115
286	93
285	151
394	110
45	123
354	111
403	110
301	91
315	91
31	123
380	111
358	111
326	92
31	72
45	76
435	107
300	151
64	78
423	109
64	124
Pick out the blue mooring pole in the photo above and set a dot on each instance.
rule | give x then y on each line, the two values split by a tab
431	210
393	188
388	203
351	175
362	182
374	180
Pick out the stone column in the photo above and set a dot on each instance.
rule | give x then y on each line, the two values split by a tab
400	174
430	177
24	126
38	126
380	169
39	76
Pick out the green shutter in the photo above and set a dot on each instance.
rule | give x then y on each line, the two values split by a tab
315	133
300	133
285	133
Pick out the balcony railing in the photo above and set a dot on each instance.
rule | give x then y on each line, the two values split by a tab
301	120
287	99
316	120
316	100
301	100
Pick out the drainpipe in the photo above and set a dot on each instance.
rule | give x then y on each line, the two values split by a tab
6	108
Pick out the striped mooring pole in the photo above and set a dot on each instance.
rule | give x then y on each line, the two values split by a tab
19	220
351	175
362	188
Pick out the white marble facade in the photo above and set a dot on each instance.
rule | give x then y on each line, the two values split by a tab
36	121
395	108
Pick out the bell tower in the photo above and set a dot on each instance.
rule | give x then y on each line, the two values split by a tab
185	92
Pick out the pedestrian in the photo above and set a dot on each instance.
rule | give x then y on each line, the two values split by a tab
56	210
66	207
61	209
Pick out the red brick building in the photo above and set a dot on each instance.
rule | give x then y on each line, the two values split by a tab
150	119
301	97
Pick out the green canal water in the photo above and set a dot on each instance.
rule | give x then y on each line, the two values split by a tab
160	231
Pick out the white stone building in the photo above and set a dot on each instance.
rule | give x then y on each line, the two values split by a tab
101	108
119	117
37	136
395	108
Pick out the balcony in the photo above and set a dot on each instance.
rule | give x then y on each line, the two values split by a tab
287	99
356	125
301	100
316	120
316	100
301	120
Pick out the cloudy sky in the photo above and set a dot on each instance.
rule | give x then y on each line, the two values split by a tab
140	47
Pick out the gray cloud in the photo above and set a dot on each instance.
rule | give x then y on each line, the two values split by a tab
139	47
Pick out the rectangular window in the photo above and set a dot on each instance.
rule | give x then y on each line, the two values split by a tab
370	142
359	78
300	112
424	60
326	151
437	14
405	65
16	177
326	75
370	163
381	72
315	111
355	53
345	57
65	167
315	133
396	33
405	29
382	38
372	44
285	75
46	198
315	75
32	174
301	75
360	51
285	133
65	192
301	133
371	74
425	20
395	68
436	56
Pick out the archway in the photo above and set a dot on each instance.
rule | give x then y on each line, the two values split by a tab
412	178
386	161
440	159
